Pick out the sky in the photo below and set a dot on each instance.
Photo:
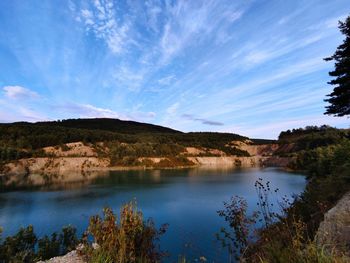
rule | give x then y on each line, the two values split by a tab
252	67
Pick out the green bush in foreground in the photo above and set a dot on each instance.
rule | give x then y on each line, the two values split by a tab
26	247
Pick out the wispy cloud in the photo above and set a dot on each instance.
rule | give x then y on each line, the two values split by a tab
129	78
329	23
22	111
19	93
87	111
153	10
244	64
172	109
101	21
191	22
203	121
166	80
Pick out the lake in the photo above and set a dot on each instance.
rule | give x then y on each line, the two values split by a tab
186	199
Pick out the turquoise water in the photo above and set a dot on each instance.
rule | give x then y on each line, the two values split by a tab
187	200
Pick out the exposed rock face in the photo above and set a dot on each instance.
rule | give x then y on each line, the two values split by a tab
71	149
79	162
71	257
260	150
227	161
334	231
245	162
40	171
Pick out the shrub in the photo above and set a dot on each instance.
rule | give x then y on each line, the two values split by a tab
287	235
26	247
19	247
131	239
236	238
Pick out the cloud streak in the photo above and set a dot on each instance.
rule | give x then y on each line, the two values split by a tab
19	93
100	20
87	111
203	121
227	65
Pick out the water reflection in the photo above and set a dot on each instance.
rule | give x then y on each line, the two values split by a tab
186	199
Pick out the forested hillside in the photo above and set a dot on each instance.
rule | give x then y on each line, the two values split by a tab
107	124
23	139
310	137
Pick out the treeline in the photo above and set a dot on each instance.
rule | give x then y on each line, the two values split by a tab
311	137
107	124
27	136
20	140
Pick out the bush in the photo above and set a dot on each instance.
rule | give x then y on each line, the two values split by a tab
287	235
26	247
131	239
20	247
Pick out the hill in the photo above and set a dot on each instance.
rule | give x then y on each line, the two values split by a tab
22	139
107	124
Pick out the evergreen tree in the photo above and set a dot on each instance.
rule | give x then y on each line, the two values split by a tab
339	99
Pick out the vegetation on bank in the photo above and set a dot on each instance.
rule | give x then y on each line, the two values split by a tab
25	246
287	235
308	138
127	239
108	239
124	142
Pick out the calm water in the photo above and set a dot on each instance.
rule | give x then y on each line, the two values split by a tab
185	199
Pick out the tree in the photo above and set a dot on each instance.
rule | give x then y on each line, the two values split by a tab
339	99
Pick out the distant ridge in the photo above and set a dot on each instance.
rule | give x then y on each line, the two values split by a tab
105	124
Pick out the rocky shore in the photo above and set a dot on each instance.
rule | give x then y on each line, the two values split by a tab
334	231
81	163
71	257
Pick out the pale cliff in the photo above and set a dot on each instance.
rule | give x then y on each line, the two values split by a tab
79	162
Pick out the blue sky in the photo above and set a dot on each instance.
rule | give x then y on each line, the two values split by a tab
253	67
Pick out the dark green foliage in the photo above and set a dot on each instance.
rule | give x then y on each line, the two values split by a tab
339	99
20	247
9	153
49	247
106	124
32	136
311	137
26	247
329	178
262	141
126	139
235	151
322	161
118	151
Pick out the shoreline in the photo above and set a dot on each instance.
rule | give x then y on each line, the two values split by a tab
61	171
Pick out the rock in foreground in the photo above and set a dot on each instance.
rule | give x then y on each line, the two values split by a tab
71	257
334	231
